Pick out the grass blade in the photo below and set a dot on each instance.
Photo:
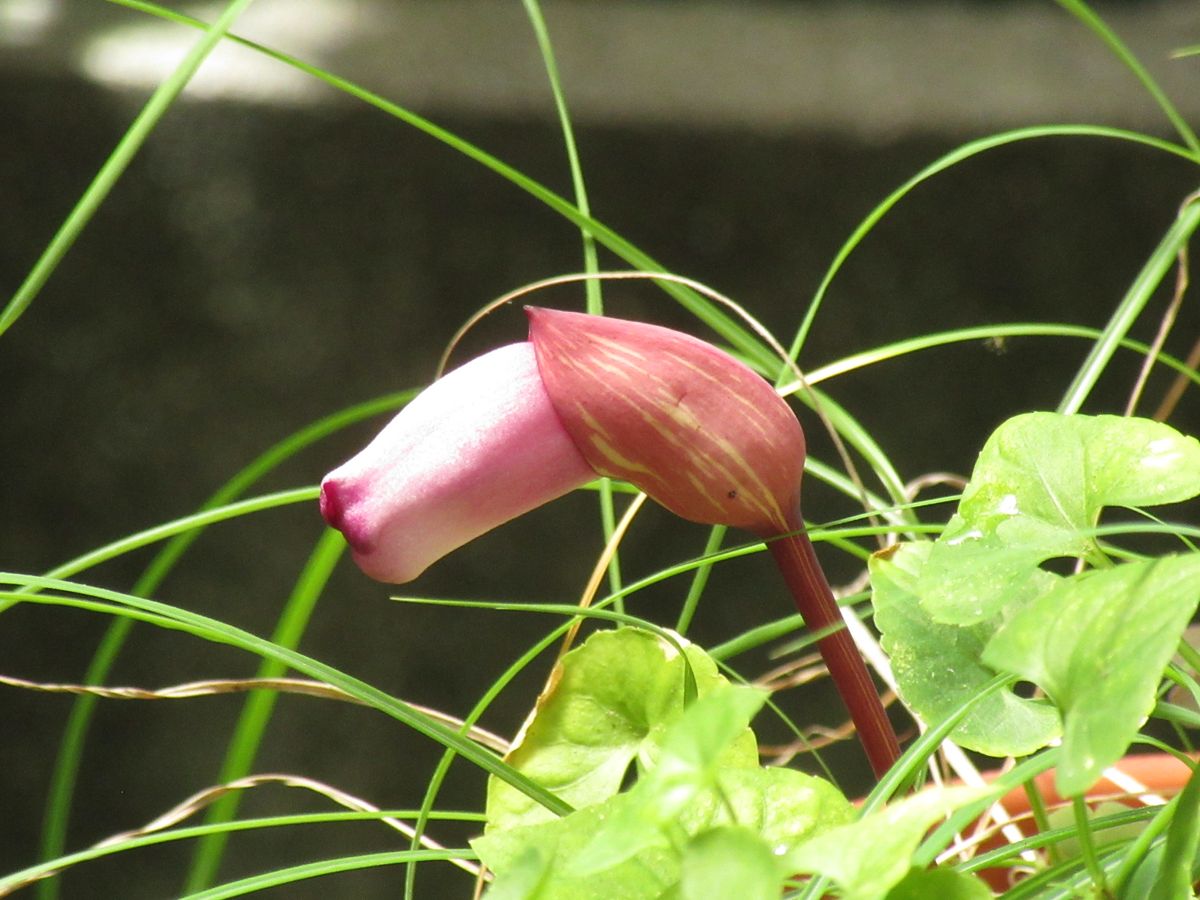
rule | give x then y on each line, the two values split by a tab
110	173
699	306
953	158
70	752
257	709
89	597
1131	306
1099	27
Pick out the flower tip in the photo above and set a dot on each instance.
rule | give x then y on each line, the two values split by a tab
332	510
333	506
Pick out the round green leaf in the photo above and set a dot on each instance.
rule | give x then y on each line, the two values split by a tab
1097	643
939	667
729	861
1037	490
610	703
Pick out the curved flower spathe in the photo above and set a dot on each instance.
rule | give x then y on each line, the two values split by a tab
694	428
698	431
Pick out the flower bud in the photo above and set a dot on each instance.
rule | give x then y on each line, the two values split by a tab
697	430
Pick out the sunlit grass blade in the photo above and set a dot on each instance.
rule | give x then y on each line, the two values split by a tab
699	580
1131	306
699	306
861	440
1048	838
91	199
555	609
590	265
592	286
180	526
257	709
70	753
866	358
1082	11
89	597
953	158
50	867
481	706
322	868
1175	878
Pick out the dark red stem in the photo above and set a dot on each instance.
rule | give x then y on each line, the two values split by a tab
797	560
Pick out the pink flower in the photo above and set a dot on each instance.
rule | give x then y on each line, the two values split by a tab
694	428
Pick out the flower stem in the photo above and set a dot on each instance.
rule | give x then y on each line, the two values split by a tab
797	560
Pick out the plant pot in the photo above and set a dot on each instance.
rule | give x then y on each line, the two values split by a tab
1143	779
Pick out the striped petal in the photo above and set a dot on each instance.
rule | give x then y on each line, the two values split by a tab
478	447
697	430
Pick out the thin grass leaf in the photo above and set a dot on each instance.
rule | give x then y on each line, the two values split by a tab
173	617
54	866
1131	306
1047	838
1085	14
304	872
756	637
179	526
596	611
865	358
953	158
699	579
592	286
702	308
71	746
944	834
110	173
595	303
1176	877
861	440
439	774
258	706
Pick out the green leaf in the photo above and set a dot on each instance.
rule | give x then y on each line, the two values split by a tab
1036	493
697	747
730	862
945	884
785	806
611	701
782	806
526	879
938	667
689	764
629	845
536	859
869	857
1097	643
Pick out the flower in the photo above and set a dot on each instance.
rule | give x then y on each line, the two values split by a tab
691	426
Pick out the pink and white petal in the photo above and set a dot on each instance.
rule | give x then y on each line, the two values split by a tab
476	448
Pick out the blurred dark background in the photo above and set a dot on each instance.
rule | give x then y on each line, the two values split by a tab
278	251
